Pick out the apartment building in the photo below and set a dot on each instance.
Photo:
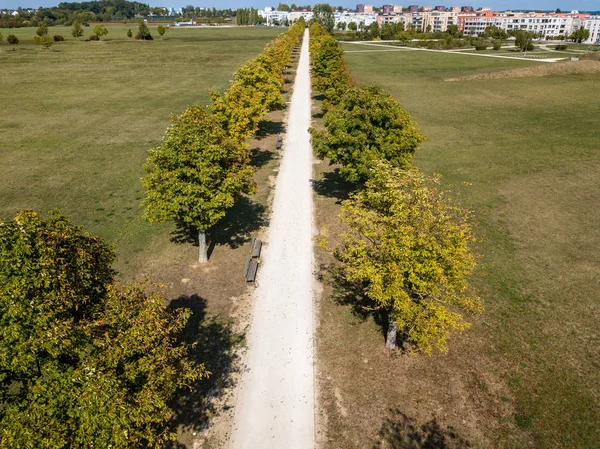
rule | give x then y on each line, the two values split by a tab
592	24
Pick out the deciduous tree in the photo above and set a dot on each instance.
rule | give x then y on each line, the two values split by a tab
161	31
366	126
100	30
407	250
323	15
82	363
77	30
196	174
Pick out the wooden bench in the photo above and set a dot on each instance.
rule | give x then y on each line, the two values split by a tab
256	250
279	142
250	270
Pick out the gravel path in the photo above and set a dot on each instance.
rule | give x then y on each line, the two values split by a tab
275	407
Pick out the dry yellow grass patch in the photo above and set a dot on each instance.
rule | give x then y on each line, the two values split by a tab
560	68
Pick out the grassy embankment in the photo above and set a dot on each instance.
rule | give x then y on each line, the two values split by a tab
522	154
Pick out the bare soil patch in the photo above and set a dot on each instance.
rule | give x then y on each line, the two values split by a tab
559	68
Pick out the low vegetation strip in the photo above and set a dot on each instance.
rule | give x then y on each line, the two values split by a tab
561	68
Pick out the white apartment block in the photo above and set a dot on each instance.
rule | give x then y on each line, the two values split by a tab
592	24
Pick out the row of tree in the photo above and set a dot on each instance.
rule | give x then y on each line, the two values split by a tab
86	361
406	245
203	163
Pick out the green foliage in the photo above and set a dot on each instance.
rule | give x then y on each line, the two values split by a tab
352	26
143	32
161	30
58	38
481	44
368	125
331	76
77	30
12	39
82	363
256	87
42	29
407	249
580	35
44	41
197	172
495	32
497	45
100	30
1	37
561	47
129	33
323	15
524	40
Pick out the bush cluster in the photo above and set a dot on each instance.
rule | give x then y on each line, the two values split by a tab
58	38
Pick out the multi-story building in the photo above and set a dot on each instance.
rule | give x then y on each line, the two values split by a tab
438	20
387	9
364	8
397	9
592	24
413	8
440	8
466	8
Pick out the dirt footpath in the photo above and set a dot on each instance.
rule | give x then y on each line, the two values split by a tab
275	407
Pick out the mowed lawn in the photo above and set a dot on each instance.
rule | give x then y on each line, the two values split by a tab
77	121
524	155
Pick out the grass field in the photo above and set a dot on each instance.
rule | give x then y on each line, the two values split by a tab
79	118
522	154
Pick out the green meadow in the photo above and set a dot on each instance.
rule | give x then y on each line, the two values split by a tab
79	118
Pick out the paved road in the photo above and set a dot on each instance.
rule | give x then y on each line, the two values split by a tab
275	407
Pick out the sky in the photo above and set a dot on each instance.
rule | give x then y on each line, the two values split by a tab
498	5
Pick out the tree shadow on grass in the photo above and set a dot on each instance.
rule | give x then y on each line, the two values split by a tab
214	344
240	221
333	185
402	432
234	229
259	158
268	128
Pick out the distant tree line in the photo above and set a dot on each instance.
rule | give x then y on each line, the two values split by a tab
103	11
248	16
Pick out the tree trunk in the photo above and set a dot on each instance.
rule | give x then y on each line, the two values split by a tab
390	341
202	249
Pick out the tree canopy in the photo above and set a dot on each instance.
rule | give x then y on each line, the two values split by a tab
366	126
197	173
407	248
323	15
83	363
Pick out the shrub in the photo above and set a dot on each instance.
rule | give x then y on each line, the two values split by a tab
12	39
93	37
58	38
129	33
530	47
561	47
496	45
148	37
481	45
